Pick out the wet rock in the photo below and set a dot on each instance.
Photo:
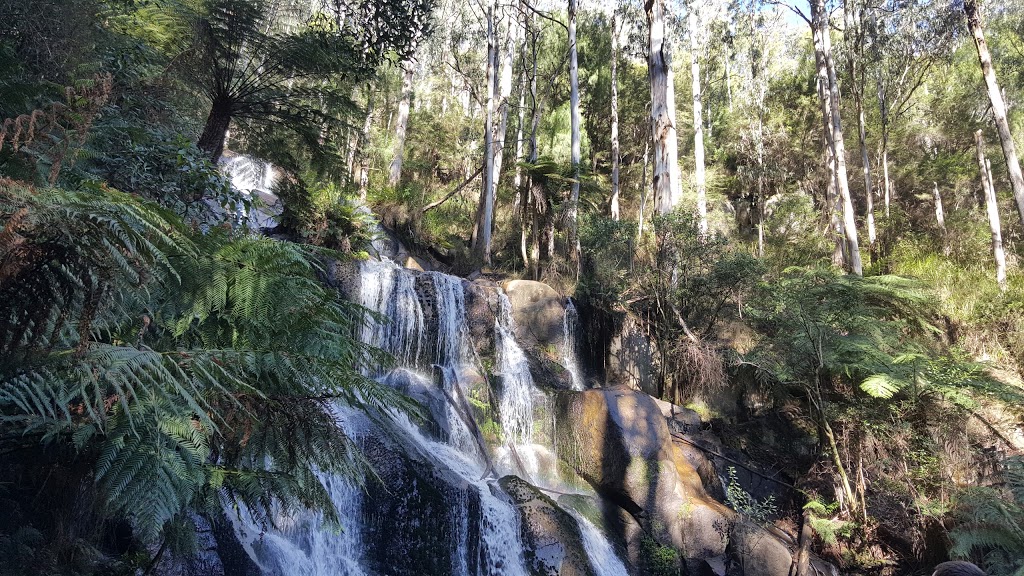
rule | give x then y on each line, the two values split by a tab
758	552
538	311
618	440
551	538
482	308
632	358
416	513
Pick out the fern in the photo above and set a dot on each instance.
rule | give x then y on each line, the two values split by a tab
188	369
990	526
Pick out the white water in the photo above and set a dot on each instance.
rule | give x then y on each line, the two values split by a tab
499	521
255	179
570	359
390	290
515	406
303	547
452	346
602	556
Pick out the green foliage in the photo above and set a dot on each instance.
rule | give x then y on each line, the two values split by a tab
990	529
169	363
760	511
824	522
319	213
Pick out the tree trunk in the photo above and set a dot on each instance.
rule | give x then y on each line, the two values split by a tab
215	131
869	193
855	53
831	206
485	210
614	204
940	216
363	176
823	45
698	127
395	174
992	208
663	110
572	244
643	191
998	106
802	561
504	91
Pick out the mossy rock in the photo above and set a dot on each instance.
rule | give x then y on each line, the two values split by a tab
552	541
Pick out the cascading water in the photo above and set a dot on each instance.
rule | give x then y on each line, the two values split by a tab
516	403
602	556
300	545
570	324
255	179
390	291
479	532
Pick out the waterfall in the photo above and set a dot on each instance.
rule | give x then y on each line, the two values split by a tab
301	546
516	403
499	521
452	345
254	179
390	291
480	522
570	324
602	556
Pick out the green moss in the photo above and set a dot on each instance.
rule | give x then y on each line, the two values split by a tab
658	560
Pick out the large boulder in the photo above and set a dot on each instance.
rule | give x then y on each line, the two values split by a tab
758	552
551	537
538	311
633	357
618	440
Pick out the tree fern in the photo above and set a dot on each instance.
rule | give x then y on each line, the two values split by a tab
189	369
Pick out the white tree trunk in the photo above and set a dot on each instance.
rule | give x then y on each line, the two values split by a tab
485	210
615	118
833	206
940	215
992	208
823	44
504	91
395	175
663	110
698	124
574	122
998	106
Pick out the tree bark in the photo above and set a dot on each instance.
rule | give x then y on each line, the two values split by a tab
698	127
215	131
992	208
395	173
823	45
359	174
485	210
998	106
663	110
831	206
940	216
614	203
574	121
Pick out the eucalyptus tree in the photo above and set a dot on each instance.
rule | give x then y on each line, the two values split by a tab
905	41
699	178
262	60
991	209
614	201
829	94
663	108
401	125
574	121
974	25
